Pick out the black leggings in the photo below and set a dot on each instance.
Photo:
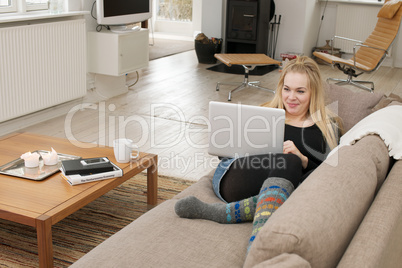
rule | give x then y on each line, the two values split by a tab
246	175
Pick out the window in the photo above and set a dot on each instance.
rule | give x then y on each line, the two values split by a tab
36	4
8	6
175	10
28	5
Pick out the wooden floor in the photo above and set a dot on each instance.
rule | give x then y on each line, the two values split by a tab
166	111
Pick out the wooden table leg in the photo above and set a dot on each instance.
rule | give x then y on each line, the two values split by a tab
45	243
152	182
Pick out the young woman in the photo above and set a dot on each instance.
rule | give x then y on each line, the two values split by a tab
254	191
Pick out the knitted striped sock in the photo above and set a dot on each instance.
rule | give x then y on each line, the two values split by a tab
241	211
274	192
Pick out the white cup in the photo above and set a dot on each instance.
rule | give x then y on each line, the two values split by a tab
125	150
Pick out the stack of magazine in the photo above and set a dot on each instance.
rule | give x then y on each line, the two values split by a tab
80	171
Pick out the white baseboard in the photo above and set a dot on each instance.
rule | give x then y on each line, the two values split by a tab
22	122
31	119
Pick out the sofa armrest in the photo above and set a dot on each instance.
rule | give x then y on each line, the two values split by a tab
321	216
378	241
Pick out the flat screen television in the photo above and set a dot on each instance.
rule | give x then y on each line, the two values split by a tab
122	12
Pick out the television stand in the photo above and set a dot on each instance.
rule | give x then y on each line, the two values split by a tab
124	29
111	56
115	54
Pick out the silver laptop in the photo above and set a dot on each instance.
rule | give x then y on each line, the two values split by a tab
239	130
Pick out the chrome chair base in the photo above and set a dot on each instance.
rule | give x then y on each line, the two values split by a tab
356	83
242	85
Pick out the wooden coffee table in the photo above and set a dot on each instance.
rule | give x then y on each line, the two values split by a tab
42	204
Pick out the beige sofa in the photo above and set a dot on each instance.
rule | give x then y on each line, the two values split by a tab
347	213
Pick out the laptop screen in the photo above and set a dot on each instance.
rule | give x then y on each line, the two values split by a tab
239	130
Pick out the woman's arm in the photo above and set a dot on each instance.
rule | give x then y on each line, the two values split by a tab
290	148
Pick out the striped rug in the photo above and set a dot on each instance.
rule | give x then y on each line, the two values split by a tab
77	234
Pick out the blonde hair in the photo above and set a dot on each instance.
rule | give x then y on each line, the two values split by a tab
328	122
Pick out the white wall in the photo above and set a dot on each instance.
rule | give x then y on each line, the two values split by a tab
294	32
328	23
311	26
211	23
197	16
91	22
299	28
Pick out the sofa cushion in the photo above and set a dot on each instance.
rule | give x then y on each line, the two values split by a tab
202	190
285	260
319	219
391	99
389	9
395	103
159	238
349	105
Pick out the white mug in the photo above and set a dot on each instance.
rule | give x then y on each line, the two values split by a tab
125	150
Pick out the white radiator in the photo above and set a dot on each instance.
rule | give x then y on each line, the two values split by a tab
41	65
355	22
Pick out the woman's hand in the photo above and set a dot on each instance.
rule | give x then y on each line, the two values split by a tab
290	148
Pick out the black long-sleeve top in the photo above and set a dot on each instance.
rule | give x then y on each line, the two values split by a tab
310	142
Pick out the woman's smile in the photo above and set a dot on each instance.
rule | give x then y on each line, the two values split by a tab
292	105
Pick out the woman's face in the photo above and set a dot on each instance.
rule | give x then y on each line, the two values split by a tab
296	94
